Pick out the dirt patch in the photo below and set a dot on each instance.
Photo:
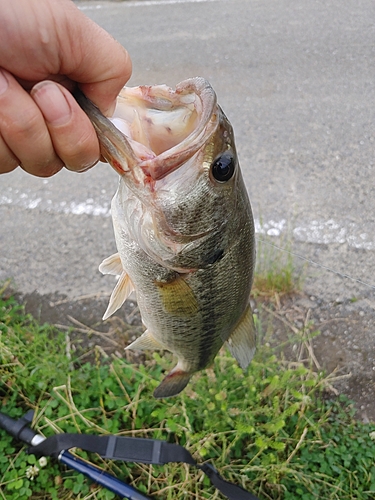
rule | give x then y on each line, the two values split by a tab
337	336
82	320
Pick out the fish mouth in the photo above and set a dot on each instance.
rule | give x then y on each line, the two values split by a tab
189	121
154	129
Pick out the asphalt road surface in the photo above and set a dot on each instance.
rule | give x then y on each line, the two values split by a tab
296	79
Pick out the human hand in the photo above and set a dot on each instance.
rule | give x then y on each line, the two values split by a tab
47	47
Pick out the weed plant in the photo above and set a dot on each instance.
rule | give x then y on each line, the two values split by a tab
269	430
275	269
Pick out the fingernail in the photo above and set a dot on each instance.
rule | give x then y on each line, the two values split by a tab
82	168
3	82
52	103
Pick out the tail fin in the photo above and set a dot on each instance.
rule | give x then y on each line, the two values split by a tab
173	384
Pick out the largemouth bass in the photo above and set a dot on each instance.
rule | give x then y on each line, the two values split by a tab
183	225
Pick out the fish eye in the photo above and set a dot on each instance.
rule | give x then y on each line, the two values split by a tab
223	167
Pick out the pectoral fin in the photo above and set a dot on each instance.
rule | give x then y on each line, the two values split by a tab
121	292
242	341
146	341
111	265
177	297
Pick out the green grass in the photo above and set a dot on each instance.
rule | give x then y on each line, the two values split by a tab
271	430
275	271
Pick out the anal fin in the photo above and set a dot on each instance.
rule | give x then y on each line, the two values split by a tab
121	292
242	341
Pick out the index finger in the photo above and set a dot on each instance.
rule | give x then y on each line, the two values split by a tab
100	64
53	39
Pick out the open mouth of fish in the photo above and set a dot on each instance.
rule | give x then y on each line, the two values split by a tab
155	129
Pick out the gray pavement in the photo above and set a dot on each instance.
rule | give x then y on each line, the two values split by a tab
296	80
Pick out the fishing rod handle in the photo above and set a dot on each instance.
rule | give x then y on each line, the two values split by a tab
19	429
